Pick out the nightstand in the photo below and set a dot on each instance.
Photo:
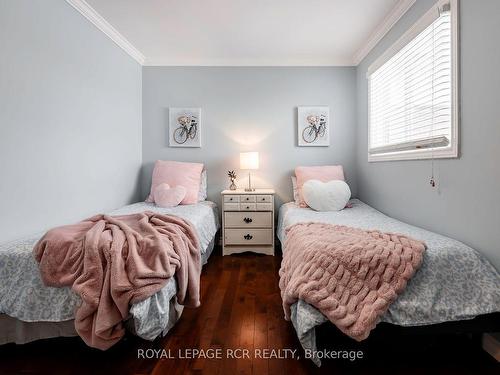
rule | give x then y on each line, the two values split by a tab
248	221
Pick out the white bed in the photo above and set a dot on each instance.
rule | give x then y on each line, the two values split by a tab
454	282
29	310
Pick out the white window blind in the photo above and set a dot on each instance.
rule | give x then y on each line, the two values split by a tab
411	106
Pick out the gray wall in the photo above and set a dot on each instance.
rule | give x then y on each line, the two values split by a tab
70	118
249	109
466	203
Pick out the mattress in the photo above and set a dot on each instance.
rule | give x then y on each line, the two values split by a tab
455	282
24	297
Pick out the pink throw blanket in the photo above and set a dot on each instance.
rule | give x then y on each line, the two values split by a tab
350	275
112	262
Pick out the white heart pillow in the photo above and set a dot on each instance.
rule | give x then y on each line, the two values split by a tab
326	196
165	196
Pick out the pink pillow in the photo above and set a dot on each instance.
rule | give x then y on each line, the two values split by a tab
323	173
165	196
175	173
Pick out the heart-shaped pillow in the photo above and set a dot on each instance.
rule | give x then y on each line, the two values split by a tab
165	196
326	196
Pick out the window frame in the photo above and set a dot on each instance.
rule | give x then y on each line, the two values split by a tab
451	151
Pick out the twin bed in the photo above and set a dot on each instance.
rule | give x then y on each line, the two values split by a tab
29	310
454	282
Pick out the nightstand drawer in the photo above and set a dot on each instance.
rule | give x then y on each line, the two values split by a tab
264	207
248	236
231	198
264	198
247	198
247	206
231	206
250	219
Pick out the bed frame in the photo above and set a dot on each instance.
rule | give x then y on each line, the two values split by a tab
328	336
480	324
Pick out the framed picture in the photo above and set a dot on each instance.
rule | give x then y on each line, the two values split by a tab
313	126
184	127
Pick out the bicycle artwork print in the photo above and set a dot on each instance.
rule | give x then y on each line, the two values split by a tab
313	126
184	127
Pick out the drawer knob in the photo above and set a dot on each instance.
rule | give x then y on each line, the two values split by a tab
263	199
248	198
247	220
248	207
230	199
248	237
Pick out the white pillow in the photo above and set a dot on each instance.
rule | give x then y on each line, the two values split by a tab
202	193
326	196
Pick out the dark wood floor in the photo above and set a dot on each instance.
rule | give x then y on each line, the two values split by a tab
241	308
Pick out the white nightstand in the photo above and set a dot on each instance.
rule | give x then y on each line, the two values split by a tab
248	221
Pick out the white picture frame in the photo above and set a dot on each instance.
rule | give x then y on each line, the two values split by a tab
184	128
313	126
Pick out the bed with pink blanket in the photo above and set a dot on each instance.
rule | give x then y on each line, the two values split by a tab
31	310
437	284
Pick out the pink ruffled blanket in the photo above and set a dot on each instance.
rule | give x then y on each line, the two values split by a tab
350	275
112	262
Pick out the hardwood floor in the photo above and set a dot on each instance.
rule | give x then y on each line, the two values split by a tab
241	309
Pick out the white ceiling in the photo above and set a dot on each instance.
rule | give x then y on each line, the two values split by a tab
249	32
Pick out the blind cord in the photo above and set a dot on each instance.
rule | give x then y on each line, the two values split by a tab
432	181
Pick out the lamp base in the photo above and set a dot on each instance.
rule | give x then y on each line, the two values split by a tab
249	189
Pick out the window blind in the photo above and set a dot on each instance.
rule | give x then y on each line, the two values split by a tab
410	94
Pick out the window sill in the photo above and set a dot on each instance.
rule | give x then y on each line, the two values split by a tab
447	153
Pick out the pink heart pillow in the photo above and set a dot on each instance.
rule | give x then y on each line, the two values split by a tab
165	196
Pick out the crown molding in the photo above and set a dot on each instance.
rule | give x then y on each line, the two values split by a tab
382	29
91	14
165	61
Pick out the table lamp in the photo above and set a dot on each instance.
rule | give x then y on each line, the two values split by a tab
249	160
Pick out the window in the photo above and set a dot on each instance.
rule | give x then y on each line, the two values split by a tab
412	91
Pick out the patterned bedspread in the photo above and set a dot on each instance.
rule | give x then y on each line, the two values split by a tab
454	282
23	295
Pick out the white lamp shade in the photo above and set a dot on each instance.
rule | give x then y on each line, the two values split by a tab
249	160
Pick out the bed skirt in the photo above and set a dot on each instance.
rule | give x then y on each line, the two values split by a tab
13	330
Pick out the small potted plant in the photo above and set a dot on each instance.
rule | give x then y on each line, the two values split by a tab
232	178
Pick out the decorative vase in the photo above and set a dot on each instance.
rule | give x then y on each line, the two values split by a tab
232	186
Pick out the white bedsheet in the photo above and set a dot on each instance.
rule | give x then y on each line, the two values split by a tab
23	295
